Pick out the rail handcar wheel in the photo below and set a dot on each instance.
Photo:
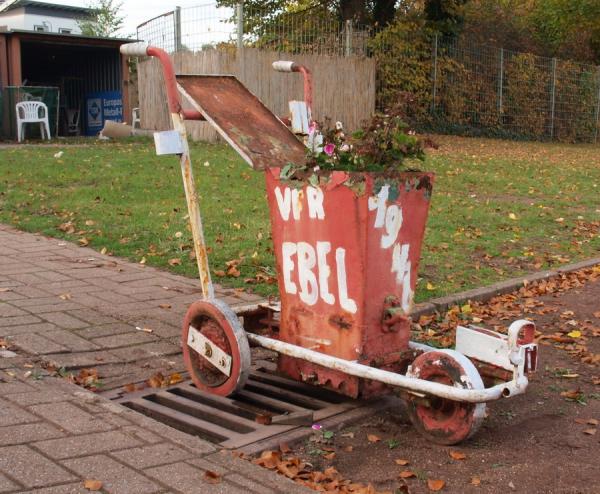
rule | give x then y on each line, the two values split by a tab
441	420
215	348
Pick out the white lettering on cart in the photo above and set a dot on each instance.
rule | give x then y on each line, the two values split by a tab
291	200
314	285
390	218
284	202
288	249
393	223
378	202
323	248
314	196
346	302
402	267
309	289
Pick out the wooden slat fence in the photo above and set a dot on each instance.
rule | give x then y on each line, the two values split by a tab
344	87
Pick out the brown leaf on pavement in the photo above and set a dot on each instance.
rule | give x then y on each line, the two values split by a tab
129	388
401	461
92	484
268	459
156	381
212	477
435	484
175	378
572	394
406	474
475	481
263	419
457	455
373	438
590	432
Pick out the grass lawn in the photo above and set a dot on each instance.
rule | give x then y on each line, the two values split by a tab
499	208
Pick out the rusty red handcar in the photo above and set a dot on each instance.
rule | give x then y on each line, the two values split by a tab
347	252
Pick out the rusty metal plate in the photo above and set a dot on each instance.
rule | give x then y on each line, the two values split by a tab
238	422
242	120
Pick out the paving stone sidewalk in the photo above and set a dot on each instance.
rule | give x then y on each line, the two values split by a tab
54	436
75	308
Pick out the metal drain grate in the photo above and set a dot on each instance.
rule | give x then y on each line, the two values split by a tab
235	422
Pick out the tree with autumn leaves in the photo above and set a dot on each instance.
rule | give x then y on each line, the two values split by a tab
554	28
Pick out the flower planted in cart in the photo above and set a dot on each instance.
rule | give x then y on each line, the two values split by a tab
382	145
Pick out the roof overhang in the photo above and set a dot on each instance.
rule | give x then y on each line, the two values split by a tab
44	36
12	4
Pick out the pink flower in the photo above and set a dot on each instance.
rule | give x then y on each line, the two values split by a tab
329	148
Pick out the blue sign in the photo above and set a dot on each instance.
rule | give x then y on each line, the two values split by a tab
100	107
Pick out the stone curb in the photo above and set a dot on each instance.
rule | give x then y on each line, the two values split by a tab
483	294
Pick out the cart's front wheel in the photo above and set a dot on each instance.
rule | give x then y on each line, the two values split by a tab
215	348
441	420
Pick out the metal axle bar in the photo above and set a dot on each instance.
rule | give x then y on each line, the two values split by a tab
399	380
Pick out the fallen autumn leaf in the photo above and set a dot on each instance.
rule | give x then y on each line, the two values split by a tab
435	484
212	477
457	455
92	484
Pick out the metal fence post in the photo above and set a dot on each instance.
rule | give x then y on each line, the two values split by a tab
501	81
348	38
434	76
177	29
240	25
597	110
553	98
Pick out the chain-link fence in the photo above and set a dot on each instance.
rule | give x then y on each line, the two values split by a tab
453	86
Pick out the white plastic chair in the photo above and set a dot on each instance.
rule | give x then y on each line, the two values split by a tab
32	112
135	118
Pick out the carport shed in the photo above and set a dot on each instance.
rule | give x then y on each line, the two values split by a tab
77	65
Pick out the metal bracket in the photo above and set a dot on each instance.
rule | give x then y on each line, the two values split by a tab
511	352
168	142
208	350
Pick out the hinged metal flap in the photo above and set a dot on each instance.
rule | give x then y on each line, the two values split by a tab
242	120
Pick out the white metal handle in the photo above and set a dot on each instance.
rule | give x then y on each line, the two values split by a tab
514	330
283	66
135	49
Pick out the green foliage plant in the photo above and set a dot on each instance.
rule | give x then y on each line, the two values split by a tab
106	20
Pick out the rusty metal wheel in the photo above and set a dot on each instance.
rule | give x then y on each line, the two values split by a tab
441	420
215	348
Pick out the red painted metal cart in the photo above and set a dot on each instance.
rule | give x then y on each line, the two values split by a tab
347	252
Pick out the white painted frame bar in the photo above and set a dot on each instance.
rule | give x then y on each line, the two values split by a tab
517	386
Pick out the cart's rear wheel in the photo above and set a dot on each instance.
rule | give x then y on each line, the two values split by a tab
441	420
215	348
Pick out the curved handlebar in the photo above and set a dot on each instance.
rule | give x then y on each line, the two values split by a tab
287	66
283	66
139	49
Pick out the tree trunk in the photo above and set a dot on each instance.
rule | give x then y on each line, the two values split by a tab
384	12
353	10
